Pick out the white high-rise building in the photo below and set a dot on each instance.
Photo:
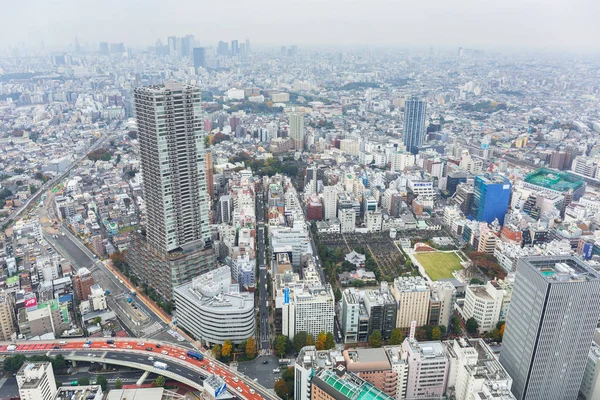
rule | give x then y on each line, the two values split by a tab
483	303
347	217
297	130
399	161
36	381
330	202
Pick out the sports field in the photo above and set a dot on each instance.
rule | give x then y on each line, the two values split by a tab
439	265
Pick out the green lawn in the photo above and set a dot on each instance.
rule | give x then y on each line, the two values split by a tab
439	265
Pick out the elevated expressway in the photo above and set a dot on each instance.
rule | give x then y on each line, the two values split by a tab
129	352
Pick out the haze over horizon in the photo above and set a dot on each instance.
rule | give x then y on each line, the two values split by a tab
549	25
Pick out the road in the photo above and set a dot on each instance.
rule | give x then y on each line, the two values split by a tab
131	350
263	309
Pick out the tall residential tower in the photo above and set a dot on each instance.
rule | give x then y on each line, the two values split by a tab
414	124
169	119
554	311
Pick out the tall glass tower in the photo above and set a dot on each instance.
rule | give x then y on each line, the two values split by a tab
553	314
414	124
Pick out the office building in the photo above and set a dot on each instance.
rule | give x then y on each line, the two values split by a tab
178	239
414	124
225	206
554	311
381	308
36	381
7	317
104	49
475	372
83	283
428	366
235	48
491	197
441	303
199	55
297	130
47	317
374	366
484	303
347	217
212	308
412	296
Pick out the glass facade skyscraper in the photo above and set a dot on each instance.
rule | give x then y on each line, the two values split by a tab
490	201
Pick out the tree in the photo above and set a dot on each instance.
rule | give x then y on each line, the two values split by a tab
59	363
251	348
281	389
443	330
281	345
300	340
97	320
227	348
456	326
329	341
288	374
14	363
436	333
375	338
101	380
310	340
118	384
321	339
83	381
396	337
217	351
159	382
471	325
168	307
338	294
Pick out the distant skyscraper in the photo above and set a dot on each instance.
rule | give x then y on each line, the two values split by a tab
490	201
414	124
172	43
297	130
199	58
235	48
187	43
77	46
104	48
169	119
223	49
554	311
247	46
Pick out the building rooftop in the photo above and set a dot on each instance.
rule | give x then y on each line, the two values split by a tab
554	180
85	393
561	269
351	386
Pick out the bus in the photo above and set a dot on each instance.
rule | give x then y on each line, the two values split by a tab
284	361
194	355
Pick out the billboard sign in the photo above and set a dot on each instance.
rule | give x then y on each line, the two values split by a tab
286	295
220	390
31	302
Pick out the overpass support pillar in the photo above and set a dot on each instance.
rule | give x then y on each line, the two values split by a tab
74	363
140	381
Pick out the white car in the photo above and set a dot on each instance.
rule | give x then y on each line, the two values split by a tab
239	389
140	343
150	358
252	391
182	357
235	379
165	352
129	347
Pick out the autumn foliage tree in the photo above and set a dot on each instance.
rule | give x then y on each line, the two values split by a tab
282	389
320	343
217	351
396	337
251	348
227	348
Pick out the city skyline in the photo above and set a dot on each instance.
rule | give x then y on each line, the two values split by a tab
515	24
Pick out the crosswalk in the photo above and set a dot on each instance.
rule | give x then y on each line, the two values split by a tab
155	327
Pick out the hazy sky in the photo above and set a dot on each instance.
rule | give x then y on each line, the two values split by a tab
524	23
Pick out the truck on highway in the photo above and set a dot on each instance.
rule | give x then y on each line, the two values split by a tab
160	365
11	347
